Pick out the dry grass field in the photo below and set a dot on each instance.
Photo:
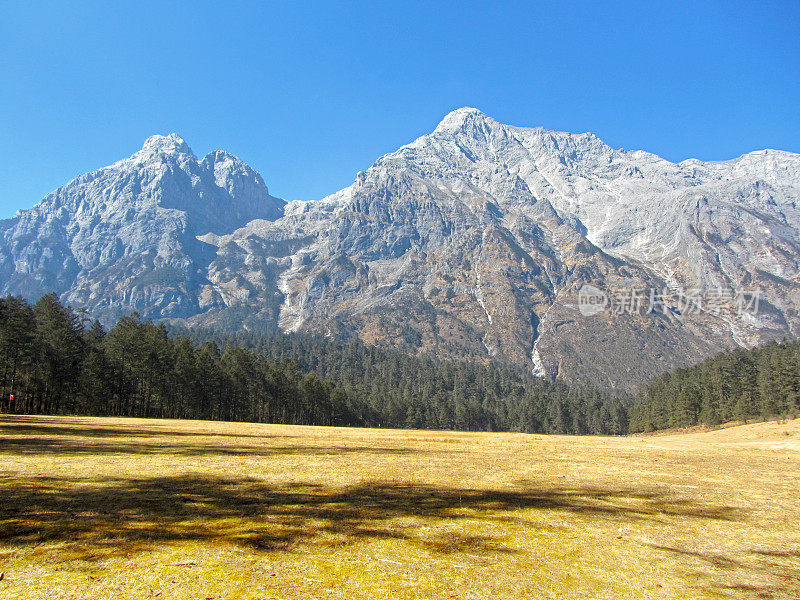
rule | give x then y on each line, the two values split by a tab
126	508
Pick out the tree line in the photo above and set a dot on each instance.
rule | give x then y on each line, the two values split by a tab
738	385
55	360
394	389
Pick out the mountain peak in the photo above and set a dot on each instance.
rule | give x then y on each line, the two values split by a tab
460	117
166	144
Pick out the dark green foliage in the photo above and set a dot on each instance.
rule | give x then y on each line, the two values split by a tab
52	363
384	388
738	385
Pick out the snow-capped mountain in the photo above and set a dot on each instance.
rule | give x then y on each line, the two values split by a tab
125	237
472	241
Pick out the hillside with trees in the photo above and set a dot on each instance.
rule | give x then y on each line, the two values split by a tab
54	360
733	386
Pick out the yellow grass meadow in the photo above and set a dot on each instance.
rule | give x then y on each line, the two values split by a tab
129	508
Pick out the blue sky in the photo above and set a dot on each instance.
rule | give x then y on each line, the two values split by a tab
310	93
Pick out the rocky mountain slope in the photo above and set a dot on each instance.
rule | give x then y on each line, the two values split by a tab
125	237
474	240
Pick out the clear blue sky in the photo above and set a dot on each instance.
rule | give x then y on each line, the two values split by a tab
312	92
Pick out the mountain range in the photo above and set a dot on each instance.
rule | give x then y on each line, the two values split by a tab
473	241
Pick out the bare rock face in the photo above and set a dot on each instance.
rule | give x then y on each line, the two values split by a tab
125	237
472	241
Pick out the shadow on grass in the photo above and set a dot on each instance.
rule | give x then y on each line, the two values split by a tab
96	517
92	519
85	427
718	560
767	571
21	446
31	436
